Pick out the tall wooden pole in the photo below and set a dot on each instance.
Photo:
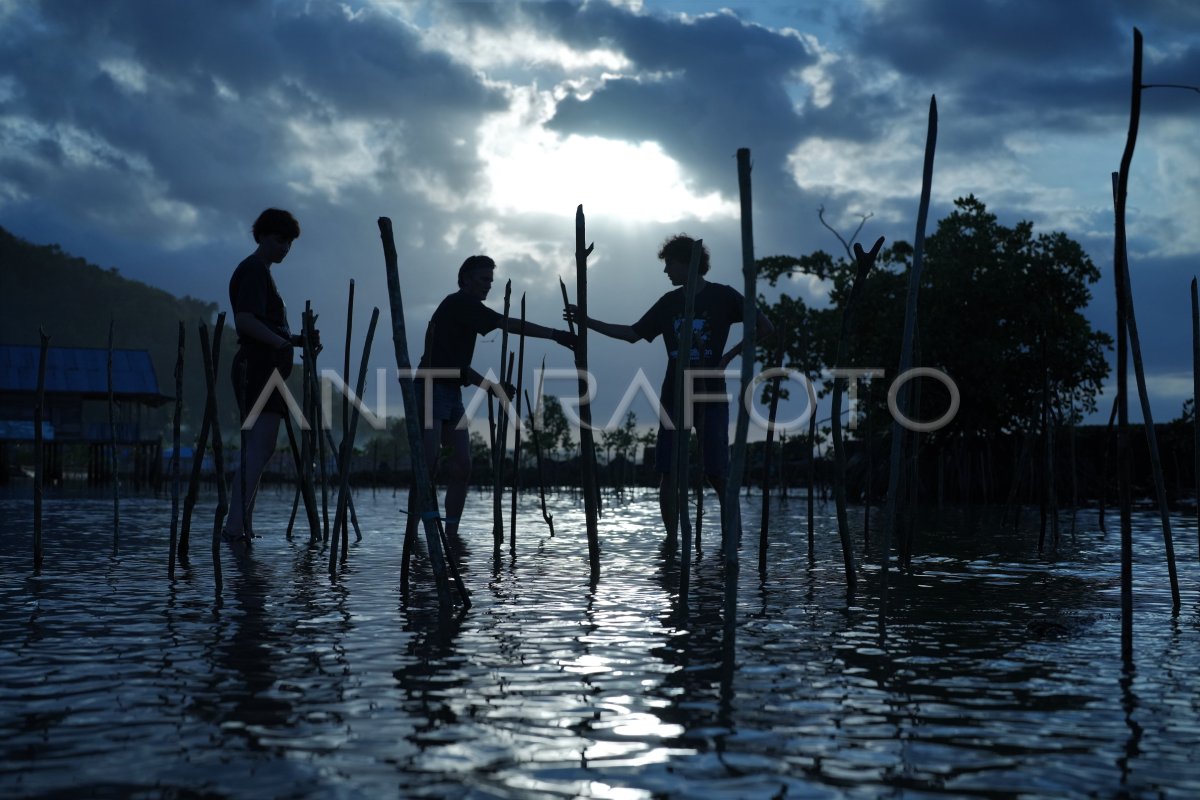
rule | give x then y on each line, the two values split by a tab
343	497
501	437
516	484
175	441
679	415
112	442
1196	400
426	506
891	517
39	412
211	356
587	445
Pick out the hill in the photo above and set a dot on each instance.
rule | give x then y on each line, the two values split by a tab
73	301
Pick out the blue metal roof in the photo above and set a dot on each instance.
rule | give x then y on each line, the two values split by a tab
79	371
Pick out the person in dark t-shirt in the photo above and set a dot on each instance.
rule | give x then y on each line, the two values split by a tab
265	343
717	308
445	367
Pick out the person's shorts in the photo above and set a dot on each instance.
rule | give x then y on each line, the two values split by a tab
712	423
447	405
250	371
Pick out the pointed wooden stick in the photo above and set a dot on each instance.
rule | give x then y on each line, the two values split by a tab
210	354
891	517
175	476
38	414
516	483
426	505
343	497
501	441
112	442
587	445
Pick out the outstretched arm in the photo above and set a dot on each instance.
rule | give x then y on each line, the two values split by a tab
565	338
625	332
763	330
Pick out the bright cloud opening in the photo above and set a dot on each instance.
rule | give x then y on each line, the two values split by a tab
534	170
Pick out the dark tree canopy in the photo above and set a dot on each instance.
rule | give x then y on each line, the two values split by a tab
1000	312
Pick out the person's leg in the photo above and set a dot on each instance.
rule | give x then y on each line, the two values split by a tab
715	443
458	475
667	503
260	446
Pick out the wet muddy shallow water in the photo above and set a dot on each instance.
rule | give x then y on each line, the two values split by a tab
999	675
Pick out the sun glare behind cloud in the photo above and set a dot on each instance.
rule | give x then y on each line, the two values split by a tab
530	169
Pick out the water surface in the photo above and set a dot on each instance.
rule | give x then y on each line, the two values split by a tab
999	675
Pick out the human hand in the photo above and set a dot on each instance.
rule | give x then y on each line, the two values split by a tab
571	314
565	338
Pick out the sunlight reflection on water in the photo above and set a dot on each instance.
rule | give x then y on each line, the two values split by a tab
999	674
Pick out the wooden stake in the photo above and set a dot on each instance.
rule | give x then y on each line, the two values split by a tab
501	440
891	517
175	471
1196	400
768	453
112	442
680	454
343	497
516	483
425	504
587	445
39	412
211	355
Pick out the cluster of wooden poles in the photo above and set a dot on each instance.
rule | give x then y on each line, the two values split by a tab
313	445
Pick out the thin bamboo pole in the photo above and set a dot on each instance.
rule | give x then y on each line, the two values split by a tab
112	442
768	458
333	448
426	505
516	483
501	439
587	444
812	468
1123	453
863	261
731	522
210	354
891	517
1196	402
175	441
39	411
1147	417
304	487
679	454
319	423
343	497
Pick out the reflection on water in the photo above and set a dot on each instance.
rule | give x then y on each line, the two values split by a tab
999	675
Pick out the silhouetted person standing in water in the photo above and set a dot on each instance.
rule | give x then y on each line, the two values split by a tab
265	345
717	308
446	367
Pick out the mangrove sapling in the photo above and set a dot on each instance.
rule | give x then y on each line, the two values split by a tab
112	442
587	445
347	450
175	471
516	483
537	449
864	260
39	410
501	437
425	503
906	347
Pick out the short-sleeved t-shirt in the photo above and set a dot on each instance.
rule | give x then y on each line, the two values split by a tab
450	338
717	308
252	289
